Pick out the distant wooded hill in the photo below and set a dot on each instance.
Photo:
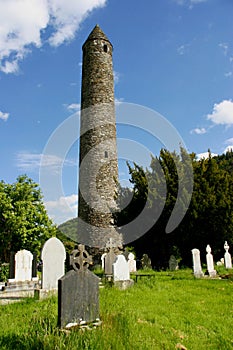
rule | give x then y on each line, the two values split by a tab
69	228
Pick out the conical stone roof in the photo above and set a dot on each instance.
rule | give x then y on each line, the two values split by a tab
97	33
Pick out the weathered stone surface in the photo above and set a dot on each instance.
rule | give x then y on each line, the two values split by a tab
53	256
98	169
78	297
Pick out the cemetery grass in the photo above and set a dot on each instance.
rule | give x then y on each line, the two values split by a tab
162	312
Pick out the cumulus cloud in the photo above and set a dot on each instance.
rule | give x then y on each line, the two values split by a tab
198	131
31	162
228	149
62	209
30	23
4	116
222	113
204	155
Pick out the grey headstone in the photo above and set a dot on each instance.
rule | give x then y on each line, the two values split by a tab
78	291
146	262
78	297
53	256
173	264
109	260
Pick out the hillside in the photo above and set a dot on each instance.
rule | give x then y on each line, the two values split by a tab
69	228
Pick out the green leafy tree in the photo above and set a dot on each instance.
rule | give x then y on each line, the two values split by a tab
24	223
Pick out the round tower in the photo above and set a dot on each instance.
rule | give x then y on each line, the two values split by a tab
98	168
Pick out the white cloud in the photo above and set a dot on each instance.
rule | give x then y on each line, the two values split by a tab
189	3
205	155
74	107
228	149
24	24
4	116
198	131
31	162
224	47
63	209
222	113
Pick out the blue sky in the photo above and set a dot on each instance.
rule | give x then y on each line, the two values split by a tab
172	56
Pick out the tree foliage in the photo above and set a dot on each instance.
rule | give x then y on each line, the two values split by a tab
24	223
209	215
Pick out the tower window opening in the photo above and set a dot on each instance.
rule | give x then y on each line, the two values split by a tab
106	154
105	48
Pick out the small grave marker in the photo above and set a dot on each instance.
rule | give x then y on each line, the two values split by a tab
197	269
227	256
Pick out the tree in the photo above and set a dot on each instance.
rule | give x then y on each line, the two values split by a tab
24	223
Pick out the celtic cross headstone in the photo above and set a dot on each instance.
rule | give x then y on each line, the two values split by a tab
78	291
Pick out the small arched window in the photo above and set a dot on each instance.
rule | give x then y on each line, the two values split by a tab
106	154
105	48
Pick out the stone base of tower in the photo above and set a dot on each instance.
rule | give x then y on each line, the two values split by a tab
98	237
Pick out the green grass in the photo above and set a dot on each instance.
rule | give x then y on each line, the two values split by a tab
156	313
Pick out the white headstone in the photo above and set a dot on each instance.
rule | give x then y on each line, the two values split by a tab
197	270
120	269
227	257
53	256
23	265
103	260
132	263
210	262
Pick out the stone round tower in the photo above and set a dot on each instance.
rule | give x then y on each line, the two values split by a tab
98	168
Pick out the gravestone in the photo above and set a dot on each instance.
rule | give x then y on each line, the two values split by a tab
103	260
120	269
78	292
197	269
109	258
53	256
146	262
23	265
227	257
132	263
173	264
210	262
121	275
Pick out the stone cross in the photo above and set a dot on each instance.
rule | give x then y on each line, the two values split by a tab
110	244
227	257
80	259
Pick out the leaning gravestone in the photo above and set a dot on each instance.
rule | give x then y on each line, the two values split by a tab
146	262
210	262
227	257
173	264
197	269
132	263
78	292
53	256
